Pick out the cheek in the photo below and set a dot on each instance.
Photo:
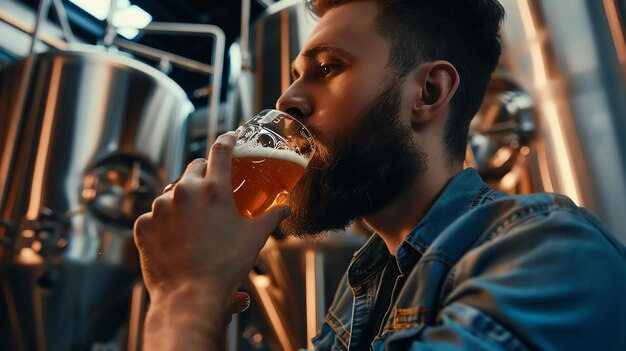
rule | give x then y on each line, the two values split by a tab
343	104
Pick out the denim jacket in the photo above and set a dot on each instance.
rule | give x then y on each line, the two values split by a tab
486	271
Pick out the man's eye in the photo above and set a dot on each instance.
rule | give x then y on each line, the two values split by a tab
328	69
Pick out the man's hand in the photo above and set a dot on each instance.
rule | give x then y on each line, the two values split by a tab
195	251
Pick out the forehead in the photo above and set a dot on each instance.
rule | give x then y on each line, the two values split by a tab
351	27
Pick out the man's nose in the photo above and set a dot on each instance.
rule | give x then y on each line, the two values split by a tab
297	105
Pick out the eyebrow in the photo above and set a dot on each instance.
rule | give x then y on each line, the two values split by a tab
320	49
323	48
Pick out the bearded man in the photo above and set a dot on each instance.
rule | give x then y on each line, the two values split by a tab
388	88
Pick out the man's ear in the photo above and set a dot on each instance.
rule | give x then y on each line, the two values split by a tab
438	81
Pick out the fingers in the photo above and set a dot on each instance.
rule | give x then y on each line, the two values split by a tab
196	168
220	157
264	225
142	229
240	303
218	172
171	185
143	223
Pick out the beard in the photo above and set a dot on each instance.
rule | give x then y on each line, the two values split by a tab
356	176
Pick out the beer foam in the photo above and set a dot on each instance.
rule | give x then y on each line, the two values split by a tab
264	152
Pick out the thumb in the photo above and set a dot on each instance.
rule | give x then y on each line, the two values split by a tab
269	221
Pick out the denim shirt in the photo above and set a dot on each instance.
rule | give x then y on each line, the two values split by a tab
487	271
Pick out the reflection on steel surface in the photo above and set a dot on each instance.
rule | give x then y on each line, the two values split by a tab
293	283
119	189
261	285
315	296
503	135
101	135
566	58
552	103
616	25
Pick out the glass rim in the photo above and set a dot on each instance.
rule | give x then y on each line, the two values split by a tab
273	113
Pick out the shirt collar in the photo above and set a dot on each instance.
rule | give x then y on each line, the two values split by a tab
459	196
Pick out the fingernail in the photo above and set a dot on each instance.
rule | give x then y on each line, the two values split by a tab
247	303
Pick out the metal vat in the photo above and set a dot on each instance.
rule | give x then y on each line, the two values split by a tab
99	136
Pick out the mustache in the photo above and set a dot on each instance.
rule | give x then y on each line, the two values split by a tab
325	149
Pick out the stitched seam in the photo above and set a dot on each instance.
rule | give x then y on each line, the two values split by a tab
388	329
437	256
345	330
334	326
355	257
364	280
448	285
397	325
368	243
519	216
475	200
511	339
417	242
412	310
411	316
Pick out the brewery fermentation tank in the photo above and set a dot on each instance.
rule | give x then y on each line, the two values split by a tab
98	137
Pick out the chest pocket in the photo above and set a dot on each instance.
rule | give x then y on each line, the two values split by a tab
404	318
417	303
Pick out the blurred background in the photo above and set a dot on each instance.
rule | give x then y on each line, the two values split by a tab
103	102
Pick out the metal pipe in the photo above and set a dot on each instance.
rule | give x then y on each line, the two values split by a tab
111	31
245	34
219	45
42	15
63	21
181	28
24	28
265	3
217	60
138	304
233	333
156	54
274	313
617	33
14	316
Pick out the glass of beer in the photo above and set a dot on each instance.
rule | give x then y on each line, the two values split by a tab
271	153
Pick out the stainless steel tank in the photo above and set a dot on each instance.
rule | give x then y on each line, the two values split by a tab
571	61
98	138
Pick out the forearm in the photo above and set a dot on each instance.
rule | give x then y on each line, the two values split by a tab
186	320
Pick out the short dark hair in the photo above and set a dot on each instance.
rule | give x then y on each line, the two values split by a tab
462	32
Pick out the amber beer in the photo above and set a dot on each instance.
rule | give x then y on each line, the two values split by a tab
262	179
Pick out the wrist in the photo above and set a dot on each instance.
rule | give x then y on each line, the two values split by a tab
189	316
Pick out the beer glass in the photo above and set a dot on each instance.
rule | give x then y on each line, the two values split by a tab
270	156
